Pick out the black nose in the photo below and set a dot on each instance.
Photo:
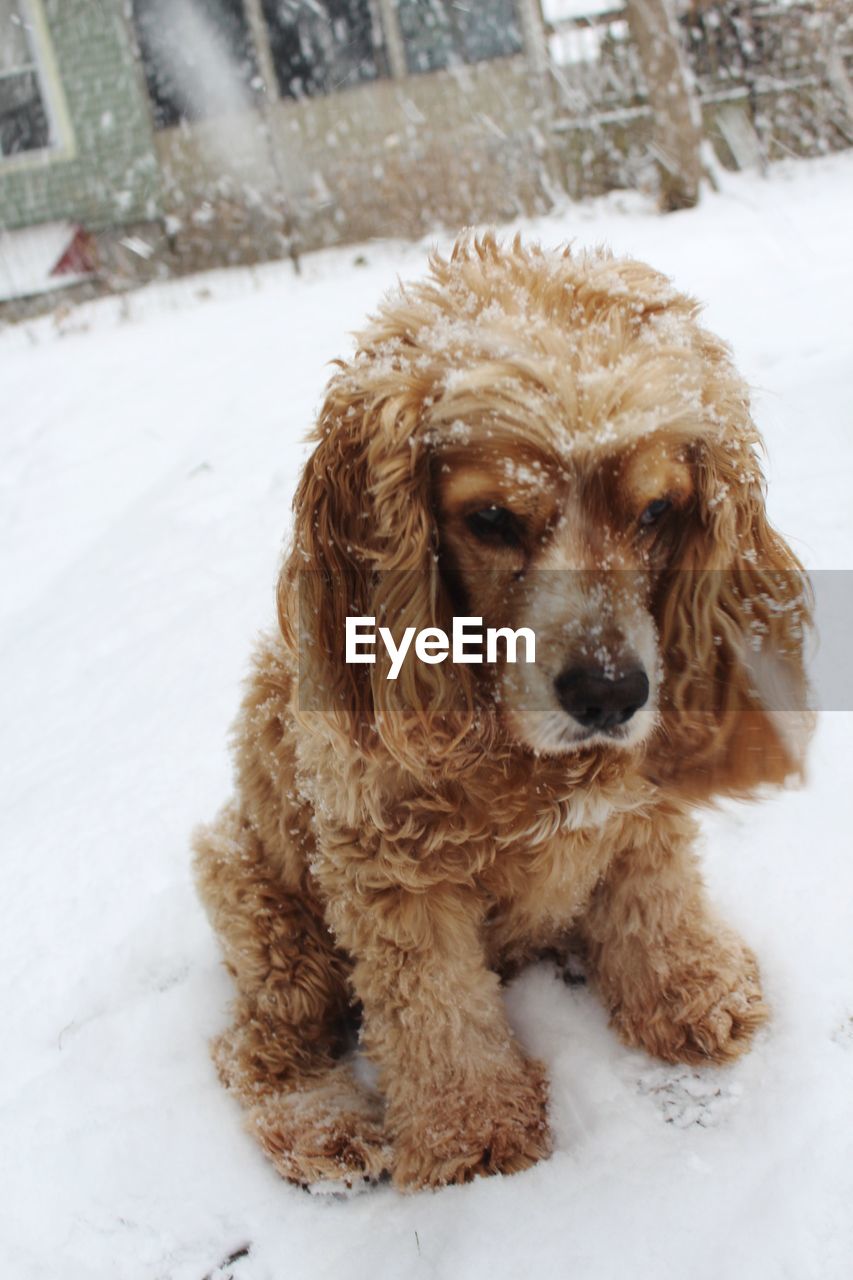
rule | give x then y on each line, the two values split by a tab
599	701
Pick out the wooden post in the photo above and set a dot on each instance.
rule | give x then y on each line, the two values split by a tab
261	41
677	118
533	34
394	46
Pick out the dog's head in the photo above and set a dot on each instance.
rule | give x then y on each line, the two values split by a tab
551	442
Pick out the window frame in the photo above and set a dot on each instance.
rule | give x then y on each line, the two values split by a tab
61	144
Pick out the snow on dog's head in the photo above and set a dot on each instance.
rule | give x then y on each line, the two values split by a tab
552	441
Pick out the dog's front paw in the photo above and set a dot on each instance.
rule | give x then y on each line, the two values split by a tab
500	1126
330	1132
696	1004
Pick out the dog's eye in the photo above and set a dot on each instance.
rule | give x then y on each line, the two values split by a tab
654	511
495	524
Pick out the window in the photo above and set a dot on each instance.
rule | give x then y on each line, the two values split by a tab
24	120
319	46
447	33
198	58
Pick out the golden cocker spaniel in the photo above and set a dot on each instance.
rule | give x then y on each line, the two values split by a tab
538	440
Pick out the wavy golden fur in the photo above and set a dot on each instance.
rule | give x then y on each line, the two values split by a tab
395	847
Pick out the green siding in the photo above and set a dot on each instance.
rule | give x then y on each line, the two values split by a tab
113	175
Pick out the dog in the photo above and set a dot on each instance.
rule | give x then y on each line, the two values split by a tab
538	439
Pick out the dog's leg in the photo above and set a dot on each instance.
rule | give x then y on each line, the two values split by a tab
279	1058
462	1097
678	983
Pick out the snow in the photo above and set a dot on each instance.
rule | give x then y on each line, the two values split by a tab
567	10
149	453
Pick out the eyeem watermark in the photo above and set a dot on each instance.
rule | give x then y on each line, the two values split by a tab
384	651
432	645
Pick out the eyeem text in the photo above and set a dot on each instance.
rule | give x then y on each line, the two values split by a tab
433	645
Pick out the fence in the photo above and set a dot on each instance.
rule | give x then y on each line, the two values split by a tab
772	80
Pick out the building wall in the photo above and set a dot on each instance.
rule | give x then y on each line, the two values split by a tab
105	172
389	158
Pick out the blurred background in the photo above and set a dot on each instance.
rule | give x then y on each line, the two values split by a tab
140	139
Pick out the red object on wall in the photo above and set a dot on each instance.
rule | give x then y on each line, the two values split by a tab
80	257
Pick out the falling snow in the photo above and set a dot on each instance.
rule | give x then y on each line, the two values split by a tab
149	455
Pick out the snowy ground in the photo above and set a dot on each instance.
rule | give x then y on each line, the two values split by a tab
147	458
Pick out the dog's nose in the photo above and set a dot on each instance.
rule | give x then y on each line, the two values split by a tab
599	701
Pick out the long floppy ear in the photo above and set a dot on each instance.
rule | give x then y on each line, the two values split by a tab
734	615
365	545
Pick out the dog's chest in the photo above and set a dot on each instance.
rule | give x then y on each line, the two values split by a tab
542	878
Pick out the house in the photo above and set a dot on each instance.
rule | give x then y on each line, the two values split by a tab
227	130
174	134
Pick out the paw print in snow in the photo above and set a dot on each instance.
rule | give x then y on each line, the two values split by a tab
686	1096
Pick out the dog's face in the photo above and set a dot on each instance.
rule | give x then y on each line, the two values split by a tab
572	551
553	443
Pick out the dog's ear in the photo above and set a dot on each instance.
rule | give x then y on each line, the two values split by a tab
734	616
365	545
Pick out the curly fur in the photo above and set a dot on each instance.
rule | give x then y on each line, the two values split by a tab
396	846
